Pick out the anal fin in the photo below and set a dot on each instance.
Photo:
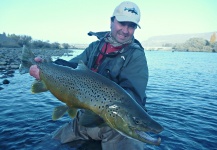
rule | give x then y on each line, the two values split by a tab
72	112
59	111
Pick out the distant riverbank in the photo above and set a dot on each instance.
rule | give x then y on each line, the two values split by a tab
159	48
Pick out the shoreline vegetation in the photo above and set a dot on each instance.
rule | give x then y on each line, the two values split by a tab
204	42
11	50
198	42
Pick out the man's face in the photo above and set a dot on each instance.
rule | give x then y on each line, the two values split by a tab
122	31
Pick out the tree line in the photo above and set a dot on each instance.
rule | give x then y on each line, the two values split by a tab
198	44
17	41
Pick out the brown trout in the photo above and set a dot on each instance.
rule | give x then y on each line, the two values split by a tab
82	88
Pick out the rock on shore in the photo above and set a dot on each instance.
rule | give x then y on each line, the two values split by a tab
10	59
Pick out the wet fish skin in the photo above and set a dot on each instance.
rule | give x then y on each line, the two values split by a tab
81	88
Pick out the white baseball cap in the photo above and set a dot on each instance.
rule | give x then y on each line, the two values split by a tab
127	11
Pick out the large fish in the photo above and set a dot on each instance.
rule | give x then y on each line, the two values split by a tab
82	88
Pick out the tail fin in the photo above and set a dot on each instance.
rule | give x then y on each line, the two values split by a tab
27	59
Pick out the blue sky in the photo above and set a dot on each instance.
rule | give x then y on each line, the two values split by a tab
70	20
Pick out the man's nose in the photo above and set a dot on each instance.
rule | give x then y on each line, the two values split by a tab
125	29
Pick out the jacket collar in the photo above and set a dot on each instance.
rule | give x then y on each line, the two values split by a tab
101	35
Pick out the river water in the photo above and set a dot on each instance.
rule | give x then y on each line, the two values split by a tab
182	96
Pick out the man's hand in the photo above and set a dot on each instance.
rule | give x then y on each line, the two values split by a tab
33	70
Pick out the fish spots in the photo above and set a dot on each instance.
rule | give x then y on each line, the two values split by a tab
113	110
84	89
83	86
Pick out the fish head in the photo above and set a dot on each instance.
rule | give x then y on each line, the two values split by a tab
134	123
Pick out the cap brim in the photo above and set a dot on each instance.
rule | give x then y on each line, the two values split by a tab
127	19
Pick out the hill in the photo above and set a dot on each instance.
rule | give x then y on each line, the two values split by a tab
171	40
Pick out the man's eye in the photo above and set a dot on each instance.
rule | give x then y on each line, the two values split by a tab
123	23
132	25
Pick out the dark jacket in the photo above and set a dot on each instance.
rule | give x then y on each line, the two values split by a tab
127	67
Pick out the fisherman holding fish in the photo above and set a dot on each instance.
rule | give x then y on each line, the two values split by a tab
118	56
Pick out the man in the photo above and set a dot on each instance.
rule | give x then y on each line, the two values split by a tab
118	56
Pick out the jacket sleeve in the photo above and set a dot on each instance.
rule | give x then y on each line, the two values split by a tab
74	61
65	63
134	76
86	56
83	56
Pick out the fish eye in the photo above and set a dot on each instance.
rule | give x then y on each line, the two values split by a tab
137	121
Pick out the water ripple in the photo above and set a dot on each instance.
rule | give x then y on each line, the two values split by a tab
181	96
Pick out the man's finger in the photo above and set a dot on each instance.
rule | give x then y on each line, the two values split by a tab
38	59
34	71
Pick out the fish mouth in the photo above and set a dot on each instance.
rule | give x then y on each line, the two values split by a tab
147	138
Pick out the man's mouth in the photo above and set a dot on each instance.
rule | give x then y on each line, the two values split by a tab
121	36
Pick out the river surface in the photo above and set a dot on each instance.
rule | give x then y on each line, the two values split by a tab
182	97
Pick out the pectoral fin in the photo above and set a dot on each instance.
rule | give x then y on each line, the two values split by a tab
90	119
59	112
39	86
72	112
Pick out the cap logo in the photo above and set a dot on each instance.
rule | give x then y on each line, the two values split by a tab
132	10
